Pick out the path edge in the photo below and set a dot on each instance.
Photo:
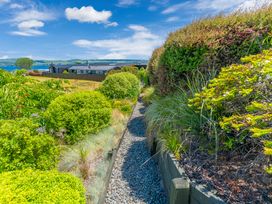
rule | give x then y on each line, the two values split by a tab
113	157
179	188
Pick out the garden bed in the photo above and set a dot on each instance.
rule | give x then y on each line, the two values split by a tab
236	179
178	186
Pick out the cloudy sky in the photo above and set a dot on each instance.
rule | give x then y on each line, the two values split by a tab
104	29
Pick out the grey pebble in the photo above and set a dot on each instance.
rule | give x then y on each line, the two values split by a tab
135	177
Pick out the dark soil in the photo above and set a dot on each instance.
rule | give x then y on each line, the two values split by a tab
236	180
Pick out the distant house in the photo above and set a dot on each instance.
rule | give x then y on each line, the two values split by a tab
81	69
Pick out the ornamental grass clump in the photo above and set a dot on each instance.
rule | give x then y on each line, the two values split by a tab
209	43
121	86
22	146
69	117
240	97
29	186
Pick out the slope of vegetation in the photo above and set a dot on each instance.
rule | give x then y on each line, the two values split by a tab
50	124
209	44
212	103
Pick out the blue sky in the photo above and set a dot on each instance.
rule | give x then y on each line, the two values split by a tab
92	29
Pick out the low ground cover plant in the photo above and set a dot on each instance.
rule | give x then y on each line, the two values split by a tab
73	115
121	86
209	44
29	186
23	146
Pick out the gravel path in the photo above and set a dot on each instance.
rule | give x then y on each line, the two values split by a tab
135	177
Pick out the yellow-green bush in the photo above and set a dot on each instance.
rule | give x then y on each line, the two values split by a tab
240	97
23	100
30	186
22	146
125	106
72	116
209	44
121	86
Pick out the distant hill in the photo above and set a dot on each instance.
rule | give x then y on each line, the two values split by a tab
11	62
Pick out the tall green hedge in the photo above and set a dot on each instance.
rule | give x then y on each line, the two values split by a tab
71	116
208	45
30	186
22	146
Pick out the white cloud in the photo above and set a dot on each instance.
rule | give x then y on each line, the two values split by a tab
113	55
4	57
25	25
16	6
30	20
216	5
174	8
137	28
112	24
28	33
251	5
88	15
139	45
33	14
172	19
125	3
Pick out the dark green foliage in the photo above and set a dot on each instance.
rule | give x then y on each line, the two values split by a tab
74	115
22	146
209	44
24	63
120	86
30	186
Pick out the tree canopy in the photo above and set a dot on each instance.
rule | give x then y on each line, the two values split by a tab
24	63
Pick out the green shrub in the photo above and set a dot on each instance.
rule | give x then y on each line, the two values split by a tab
23	100
209	44
143	76
22	146
125	106
148	95
72	115
131	69
240	97
30	186
121	86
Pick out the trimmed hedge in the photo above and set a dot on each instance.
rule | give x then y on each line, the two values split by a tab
209	44
120	86
21	146
30	186
74	115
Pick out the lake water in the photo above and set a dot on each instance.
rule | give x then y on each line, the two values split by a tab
35	67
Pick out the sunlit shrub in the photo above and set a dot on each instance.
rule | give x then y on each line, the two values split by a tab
22	146
121	86
71	116
23	100
30	186
125	106
241	98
